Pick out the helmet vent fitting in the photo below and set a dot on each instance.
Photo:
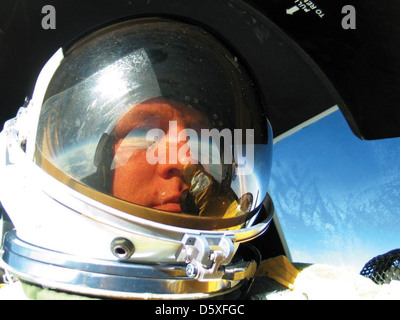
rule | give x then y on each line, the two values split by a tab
122	248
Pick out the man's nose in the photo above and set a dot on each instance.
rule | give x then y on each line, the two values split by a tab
177	152
175	161
168	171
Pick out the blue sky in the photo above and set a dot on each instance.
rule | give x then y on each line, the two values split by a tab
337	197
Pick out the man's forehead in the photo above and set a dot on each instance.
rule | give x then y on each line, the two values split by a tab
164	109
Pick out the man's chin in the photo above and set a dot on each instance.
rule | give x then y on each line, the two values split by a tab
172	207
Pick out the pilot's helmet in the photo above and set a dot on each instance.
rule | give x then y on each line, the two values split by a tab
139	166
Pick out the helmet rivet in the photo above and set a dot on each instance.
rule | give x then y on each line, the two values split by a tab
191	270
122	248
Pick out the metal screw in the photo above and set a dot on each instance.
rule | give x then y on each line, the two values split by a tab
191	270
122	248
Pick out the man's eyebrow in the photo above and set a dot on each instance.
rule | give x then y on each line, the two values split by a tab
142	112
128	123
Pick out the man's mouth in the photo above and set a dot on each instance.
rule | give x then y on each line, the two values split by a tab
171	206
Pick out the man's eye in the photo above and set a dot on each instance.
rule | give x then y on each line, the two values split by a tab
137	143
135	140
138	139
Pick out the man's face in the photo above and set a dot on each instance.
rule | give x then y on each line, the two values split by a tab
135	179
